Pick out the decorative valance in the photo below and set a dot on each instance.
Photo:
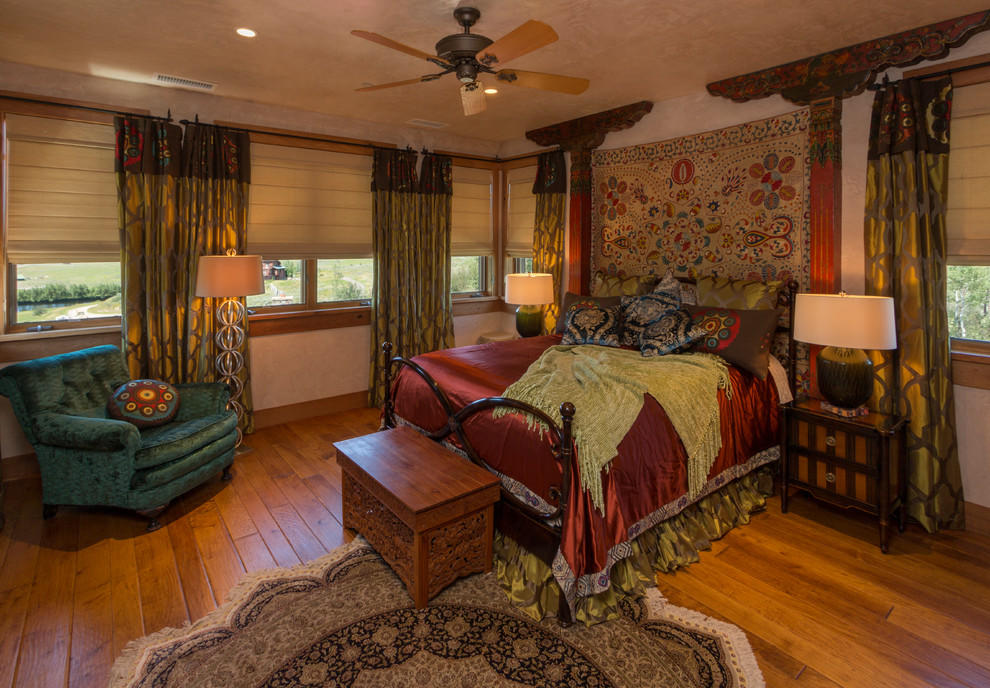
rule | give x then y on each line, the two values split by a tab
847	71
435	175
148	146
212	152
394	170
550	173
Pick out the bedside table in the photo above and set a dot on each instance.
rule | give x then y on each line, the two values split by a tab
852	462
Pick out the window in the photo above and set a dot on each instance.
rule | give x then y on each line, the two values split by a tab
968	215
471	231
522	265
309	217
283	283
62	243
345	279
520	217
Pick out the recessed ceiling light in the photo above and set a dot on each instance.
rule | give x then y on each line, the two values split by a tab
247	33
491	90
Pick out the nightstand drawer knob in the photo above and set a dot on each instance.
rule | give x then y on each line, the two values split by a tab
830	477
830	440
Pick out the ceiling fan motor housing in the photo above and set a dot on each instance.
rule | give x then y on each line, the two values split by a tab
461	45
460	49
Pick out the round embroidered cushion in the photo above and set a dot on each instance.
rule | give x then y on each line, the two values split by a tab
145	403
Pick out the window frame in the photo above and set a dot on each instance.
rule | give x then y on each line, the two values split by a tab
484	278
93	113
489	268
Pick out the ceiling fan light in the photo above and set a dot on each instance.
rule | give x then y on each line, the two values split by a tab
466	72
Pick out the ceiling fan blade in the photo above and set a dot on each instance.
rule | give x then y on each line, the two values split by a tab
417	80
472	98
401	47
527	38
548	82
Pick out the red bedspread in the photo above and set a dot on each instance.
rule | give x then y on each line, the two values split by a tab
646	482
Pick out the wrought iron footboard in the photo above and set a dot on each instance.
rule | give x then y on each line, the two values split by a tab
561	443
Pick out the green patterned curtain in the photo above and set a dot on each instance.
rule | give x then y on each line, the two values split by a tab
550	188
213	218
395	216
907	184
176	201
432	272
148	153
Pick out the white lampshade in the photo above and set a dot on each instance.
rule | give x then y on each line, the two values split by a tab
841	320
529	288
229	275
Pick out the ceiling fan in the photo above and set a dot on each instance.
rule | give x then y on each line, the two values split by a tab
468	55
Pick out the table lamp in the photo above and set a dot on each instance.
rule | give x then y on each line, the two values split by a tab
230	277
529	290
845	325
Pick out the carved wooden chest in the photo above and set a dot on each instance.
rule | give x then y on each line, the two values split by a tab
427	511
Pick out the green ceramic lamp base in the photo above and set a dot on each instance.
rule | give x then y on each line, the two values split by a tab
845	376
529	320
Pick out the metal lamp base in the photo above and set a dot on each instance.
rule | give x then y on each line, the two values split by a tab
529	320
845	376
229	362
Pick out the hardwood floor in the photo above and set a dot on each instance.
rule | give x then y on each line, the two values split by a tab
819	602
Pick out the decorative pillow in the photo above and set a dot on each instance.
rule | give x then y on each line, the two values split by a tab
145	403
592	326
688	291
614	285
723	292
673	331
669	283
640	311
572	300
741	337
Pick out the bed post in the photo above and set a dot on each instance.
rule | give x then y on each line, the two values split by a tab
792	288
566	451
388	408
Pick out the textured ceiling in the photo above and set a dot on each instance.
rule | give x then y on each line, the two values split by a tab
304	56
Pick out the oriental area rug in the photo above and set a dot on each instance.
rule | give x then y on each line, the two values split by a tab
346	620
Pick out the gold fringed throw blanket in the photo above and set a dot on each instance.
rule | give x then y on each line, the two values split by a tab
607	385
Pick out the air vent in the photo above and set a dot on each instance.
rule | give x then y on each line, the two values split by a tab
180	82
427	123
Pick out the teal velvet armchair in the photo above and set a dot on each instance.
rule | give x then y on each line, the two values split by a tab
90	459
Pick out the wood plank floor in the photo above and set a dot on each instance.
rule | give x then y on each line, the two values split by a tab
819	602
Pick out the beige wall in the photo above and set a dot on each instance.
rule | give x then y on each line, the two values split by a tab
308	366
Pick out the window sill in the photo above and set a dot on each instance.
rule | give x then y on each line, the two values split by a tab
25	346
265	324
971	366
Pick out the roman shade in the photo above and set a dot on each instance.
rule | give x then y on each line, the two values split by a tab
471	212
62	192
309	203
521	213
968	213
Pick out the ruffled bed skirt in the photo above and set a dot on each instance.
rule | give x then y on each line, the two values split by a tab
530	584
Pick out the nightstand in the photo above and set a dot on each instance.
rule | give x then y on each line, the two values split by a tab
853	462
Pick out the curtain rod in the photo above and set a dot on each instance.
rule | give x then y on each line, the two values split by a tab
304	137
932	75
953	70
90	108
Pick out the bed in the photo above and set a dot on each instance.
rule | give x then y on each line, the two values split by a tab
582	545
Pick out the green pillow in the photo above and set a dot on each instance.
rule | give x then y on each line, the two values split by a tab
723	292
